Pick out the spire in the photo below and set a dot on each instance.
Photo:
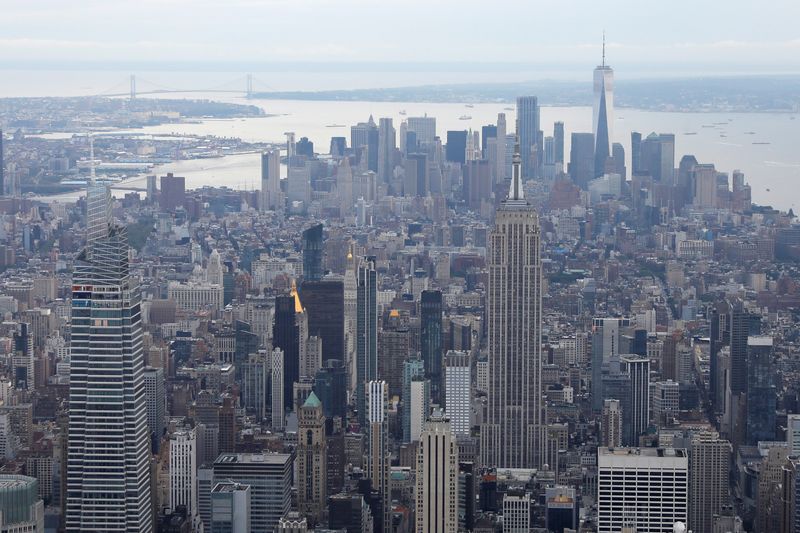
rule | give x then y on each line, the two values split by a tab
604	48
516	193
298	307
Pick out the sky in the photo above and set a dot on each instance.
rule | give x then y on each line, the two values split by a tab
697	36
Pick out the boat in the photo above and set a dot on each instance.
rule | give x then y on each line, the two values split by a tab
690	133
403	112
761	143
509	109
469	105
465	117
708	126
335	126
749	133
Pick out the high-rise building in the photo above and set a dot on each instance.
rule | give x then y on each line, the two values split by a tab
605	347
366	333
156	399
173	192
431	340
183	471
581	159
418	405
638	368
2	166
378	453
349	512
21	508
709	464
558	141
312	454
528	127
230	508
330	386
255	383
425	130
487	132
437	477
517	511
323	302
562	509
501	173
458	392
289	315
761	391
603	114
107	403
269	476
387	144
271	195
313	253
456	150
652	481
793	433
364	141
656	156
416	175
415	369
512	436
611	425
277	384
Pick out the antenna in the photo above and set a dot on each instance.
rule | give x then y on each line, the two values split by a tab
604	48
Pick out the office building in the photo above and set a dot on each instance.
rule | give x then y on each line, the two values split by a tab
349	512
21	509
666	401
437	477
656	156
2	165
255	371
330	386
323	302
277	392
562	509
517	512
761	391
653	481
156	400
416	181
313	253
269	476
638	369
312	452
458	392
603	115
271	195
425	130
501	172
107	402
456	148
415	369
581	159
366	333
378	452
418	405
477	184
431	340
183	471
287	335
605	347
512	436
793	433
173	193
230	508
364	139
528	128
558	142
709	465
611	424
387	144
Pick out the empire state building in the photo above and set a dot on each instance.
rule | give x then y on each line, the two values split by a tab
512	436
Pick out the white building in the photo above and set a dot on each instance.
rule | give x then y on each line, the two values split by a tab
437	477
517	513
418	406
458	391
645	488
793	433
196	296
666	401
183	470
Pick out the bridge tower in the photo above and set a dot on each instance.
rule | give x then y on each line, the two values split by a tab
133	86
249	86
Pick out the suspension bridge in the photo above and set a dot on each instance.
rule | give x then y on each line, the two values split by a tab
246	86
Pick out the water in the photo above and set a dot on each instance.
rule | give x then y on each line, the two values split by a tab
773	170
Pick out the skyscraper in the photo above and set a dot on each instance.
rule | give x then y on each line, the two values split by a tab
173	192
528	134
652	481
425	130
387	143
271	195
312	453
761	392
366	333
639	371
108	457
378	454
286	336
501	172
581	159
2	166
183	470
458	392
431	340
512	436
437	477
611	425
558	140
456	146
603	114
709	464
313	253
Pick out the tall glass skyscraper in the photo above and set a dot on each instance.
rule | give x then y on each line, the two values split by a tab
108	455
528	133
366	333
512	434
603	114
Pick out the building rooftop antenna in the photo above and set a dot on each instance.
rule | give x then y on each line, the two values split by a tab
604	48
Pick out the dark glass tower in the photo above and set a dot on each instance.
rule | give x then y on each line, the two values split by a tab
456	151
286	336
366	332
528	132
313	252
324	303
431	340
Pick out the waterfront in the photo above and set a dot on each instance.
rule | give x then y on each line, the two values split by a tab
771	166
